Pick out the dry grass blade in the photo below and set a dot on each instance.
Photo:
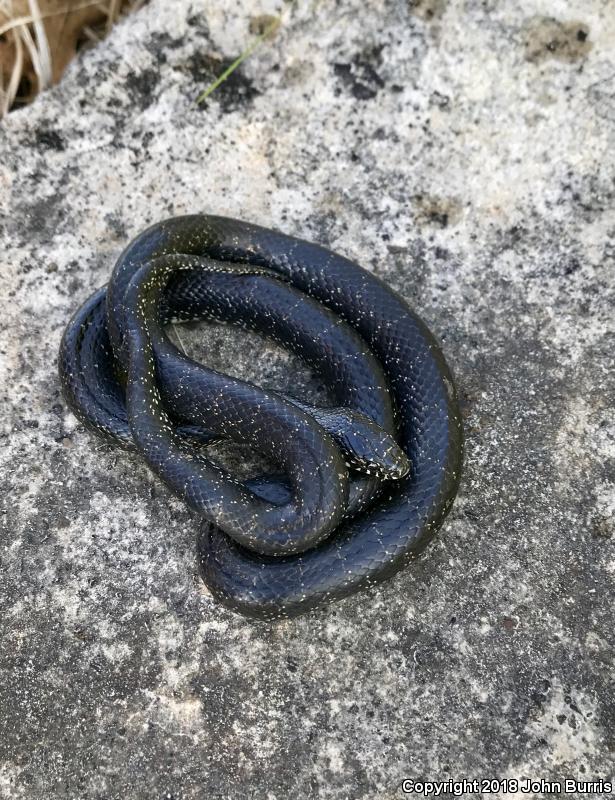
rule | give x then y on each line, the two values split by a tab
113	13
7	96
40	53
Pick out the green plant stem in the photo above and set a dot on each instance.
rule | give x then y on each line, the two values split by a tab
273	25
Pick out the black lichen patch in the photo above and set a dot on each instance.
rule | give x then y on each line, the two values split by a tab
160	43
41	217
116	225
48	139
428	9
587	197
548	38
441	101
199	23
235	91
141	87
359	76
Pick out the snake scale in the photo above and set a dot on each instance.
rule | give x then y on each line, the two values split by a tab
362	486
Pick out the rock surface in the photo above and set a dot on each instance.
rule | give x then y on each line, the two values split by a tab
464	152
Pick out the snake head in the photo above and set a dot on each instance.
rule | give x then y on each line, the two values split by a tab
366	446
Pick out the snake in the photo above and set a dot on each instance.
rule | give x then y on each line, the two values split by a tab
358	486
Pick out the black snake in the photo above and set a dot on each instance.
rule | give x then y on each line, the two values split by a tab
363	486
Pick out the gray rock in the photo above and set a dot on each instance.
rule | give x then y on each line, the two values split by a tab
464	152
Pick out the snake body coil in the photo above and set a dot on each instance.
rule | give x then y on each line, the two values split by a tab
363	486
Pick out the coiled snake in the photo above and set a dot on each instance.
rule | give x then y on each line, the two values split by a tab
363	486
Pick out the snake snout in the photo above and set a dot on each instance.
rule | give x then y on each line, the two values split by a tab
393	464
